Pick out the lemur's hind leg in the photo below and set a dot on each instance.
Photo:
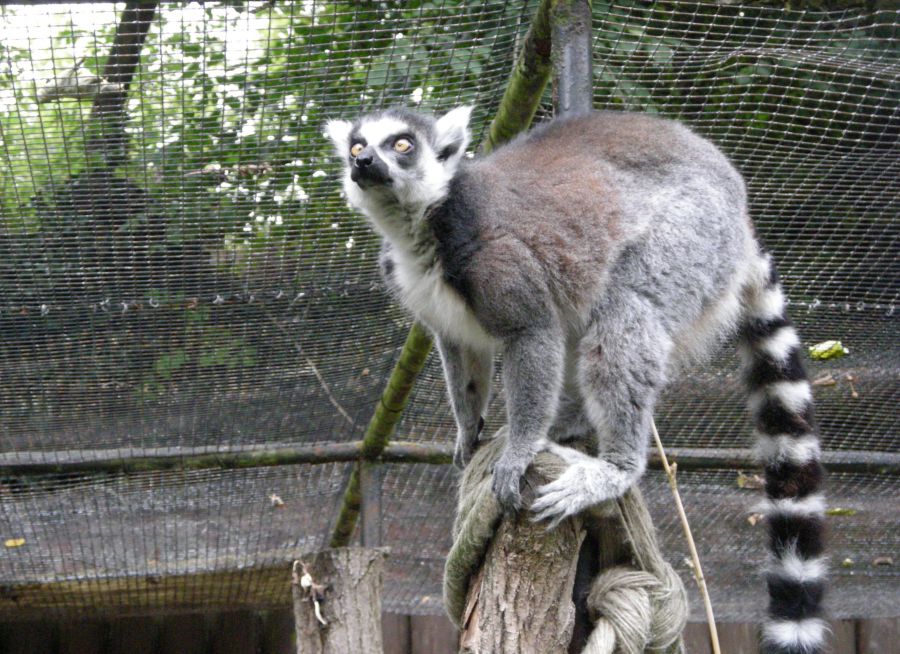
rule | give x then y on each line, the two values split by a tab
621	368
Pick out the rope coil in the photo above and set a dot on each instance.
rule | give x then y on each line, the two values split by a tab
634	611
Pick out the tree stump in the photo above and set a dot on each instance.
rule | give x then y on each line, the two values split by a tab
597	583
346	583
521	600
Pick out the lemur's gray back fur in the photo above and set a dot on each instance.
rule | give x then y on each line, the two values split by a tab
598	254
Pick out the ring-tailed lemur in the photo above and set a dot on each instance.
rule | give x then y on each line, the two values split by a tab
598	253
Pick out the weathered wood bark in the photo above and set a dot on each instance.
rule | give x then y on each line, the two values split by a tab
521	601
348	584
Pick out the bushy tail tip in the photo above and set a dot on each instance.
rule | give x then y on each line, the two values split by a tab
787	446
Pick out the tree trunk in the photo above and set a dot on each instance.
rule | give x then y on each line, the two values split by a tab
595	583
346	582
521	599
108	138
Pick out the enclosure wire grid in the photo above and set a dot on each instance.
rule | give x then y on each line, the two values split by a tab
180	273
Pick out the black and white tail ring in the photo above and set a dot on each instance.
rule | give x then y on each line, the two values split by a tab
787	446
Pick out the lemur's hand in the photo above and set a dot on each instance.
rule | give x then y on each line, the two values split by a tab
508	471
466	439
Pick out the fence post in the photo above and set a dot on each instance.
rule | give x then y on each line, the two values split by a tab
337	601
570	24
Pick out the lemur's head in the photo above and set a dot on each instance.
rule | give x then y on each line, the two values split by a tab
400	157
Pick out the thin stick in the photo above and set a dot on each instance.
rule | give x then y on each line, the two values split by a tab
314	368
695	559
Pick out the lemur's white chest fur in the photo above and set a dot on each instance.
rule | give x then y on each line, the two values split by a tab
424	292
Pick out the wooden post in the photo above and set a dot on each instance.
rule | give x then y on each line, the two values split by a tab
521	599
337	601
572	63
370	476
596	582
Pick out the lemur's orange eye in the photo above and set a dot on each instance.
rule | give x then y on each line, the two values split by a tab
356	149
402	145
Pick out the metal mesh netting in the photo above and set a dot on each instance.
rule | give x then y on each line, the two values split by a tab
179	274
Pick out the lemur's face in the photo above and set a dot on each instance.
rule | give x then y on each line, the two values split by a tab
399	156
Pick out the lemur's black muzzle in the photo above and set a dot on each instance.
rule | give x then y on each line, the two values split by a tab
369	169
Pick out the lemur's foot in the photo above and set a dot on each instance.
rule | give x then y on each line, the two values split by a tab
587	481
564	497
466	443
463	451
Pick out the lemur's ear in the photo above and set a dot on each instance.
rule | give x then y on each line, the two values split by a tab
339	133
452	134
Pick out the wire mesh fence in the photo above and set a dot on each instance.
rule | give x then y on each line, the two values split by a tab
179	273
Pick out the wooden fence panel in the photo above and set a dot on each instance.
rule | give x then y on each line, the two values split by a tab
235	632
843	637
183	633
134	636
738	637
696	638
272	632
395	633
278	632
28	637
432	634
83	637
878	636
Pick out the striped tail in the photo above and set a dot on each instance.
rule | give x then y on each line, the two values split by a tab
788	447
